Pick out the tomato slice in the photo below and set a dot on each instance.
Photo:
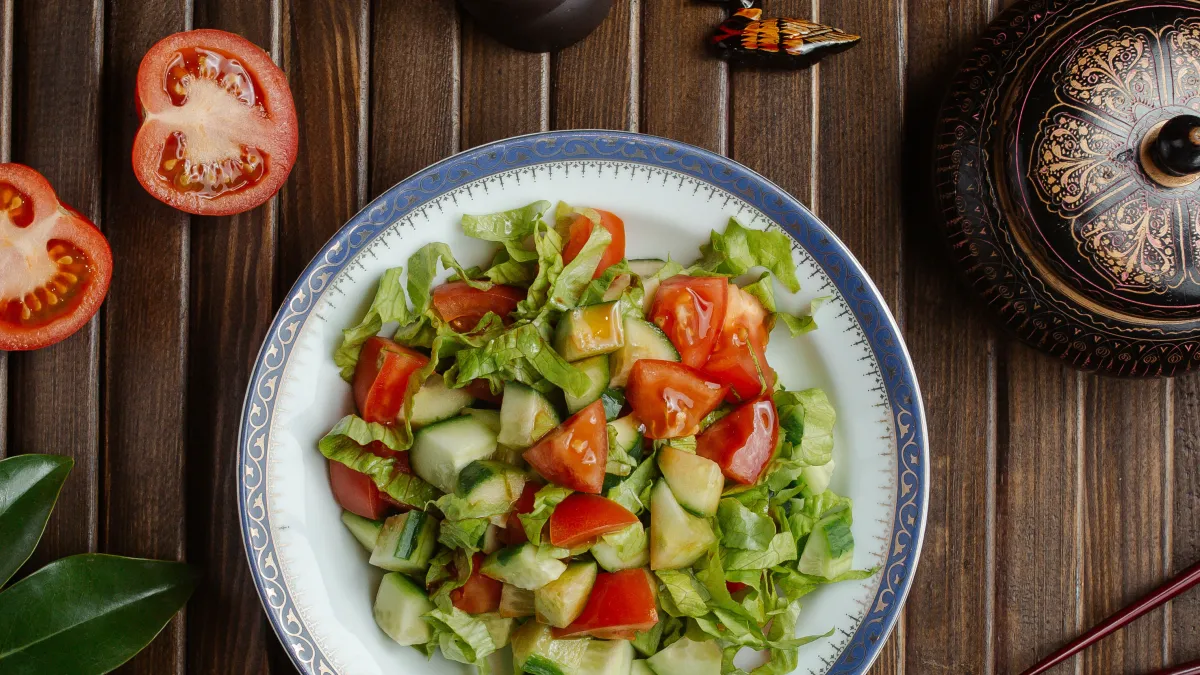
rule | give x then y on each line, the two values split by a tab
581	230
574	455
219	132
479	594
582	517
55	266
382	378
670	398
463	306
691	311
514	532
356	492
739	355
742	442
620	603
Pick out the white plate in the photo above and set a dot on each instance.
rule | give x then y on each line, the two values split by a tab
313	578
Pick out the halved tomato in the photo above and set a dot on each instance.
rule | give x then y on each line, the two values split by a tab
574	455
739	356
581	517
670	398
691	311
55	266
742	442
462	306
382	378
219	131
479	594
581	230
621	603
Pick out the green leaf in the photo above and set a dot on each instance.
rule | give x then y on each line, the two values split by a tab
88	614
389	305
742	528
461	508
29	487
520	354
781	549
626	493
598	287
506	226
738	250
548	245
462	637
464	534
568	287
346	443
799	324
685	595
544	501
796	585
816	448
423	268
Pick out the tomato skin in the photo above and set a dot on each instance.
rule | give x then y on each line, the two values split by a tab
574	455
514	532
581	230
691	311
382	378
670	398
481	390
620	603
356	492
742	343
742	442
479	594
582	517
462	306
735	586
44	220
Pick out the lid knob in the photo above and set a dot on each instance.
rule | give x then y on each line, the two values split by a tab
1176	149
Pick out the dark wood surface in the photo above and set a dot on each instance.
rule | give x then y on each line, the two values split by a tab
1057	497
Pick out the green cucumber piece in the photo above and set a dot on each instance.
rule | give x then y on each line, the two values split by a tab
561	601
400	605
489	418
608	657
536	652
406	543
484	482
817	478
623	550
596	368
516	602
640	668
525	416
435	402
500	628
491	538
829	551
677	538
687	657
365	530
524	566
441	451
628	435
696	481
643	340
590	331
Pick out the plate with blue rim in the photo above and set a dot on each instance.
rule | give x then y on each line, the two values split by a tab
313	579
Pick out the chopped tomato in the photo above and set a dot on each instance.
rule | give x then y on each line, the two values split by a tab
356	492
514	532
219	132
739	356
480	594
462	306
620	603
581	518
481	390
55	266
382	378
581	230
735	586
742	442
574	455
691	311
670	398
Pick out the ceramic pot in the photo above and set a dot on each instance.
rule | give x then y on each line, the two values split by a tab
538	25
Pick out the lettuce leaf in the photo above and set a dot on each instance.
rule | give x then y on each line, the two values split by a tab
548	245
796	585
627	492
569	285
598	288
544	502
462	637
463	534
460	508
799	324
781	549
816	447
520	354
423	268
390	304
346	443
742	528
506	227
684	595
620	463
738	250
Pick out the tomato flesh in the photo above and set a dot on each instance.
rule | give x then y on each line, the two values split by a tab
514	532
581	230
621	603
671	398
479	594
582	517
691	311
462	306
574	455
739	355
356	492
382	378
742	442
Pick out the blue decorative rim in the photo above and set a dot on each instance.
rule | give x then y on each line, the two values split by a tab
868	307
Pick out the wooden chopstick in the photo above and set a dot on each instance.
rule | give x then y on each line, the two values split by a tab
1192	668
1162	595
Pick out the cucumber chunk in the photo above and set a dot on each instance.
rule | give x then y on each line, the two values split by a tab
608	657
536	652
628	435
686	657
596	368
590	331
677	538
696	481
623	550
484	482
525	416
523	566
491	539
817	478
516	602
406	543
643	340
500	628
640	668
435	402
489	418
441	451
561	601
829	551
399	607
366	531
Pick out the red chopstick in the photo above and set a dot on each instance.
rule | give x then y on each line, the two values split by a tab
1192	668
1161	596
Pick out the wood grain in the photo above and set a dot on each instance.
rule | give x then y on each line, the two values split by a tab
685	91
505	92
1185	610
594	80
55	129
6	49
231	306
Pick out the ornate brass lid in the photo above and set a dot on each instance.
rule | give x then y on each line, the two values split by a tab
1067	155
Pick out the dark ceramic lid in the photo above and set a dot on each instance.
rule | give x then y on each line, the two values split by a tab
1067	156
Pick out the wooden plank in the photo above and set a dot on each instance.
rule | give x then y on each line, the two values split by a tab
55	129
1185	611
951	604
233	264
505	92
6	49
684	89
594	80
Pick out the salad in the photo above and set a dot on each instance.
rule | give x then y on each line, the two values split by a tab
586	457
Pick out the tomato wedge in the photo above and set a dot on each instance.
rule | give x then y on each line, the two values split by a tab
670	398
55	266
691	311
479	594
582	517
581	230
382	377
219	132
462	306
574	455
739	355
514	532
356	492
620	603
742	442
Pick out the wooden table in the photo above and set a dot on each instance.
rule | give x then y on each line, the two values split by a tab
1057	496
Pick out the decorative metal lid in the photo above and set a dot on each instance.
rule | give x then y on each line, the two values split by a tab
1067	158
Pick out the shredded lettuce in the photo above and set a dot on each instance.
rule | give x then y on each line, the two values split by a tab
423	268
684	596
742	528
738	250
463	534
462	637
460	508
544	502
346	443
506	227
781	549
627	492
620	463
389	305
598	289
520	354
576	275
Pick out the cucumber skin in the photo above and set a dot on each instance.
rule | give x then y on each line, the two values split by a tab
438	465
596	368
